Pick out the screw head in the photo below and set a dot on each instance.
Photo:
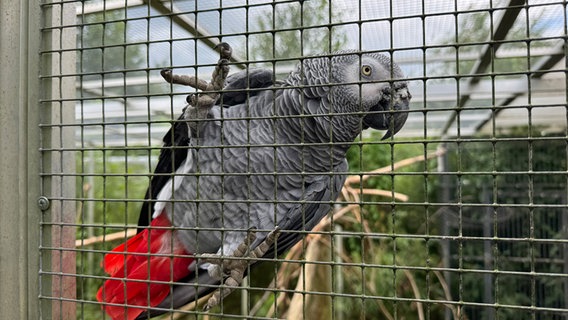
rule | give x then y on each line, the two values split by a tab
43	203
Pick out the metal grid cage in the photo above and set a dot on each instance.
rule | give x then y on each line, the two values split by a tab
461	216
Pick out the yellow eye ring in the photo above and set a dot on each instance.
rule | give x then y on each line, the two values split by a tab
366	70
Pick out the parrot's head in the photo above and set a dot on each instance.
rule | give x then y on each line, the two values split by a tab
371	84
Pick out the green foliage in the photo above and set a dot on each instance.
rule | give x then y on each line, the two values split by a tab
498	172
118	182
370	155
105	48
390	222
110	183
304	31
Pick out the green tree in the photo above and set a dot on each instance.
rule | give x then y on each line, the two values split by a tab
496	172
304	31
104	45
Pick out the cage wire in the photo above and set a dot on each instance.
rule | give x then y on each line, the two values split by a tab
462	215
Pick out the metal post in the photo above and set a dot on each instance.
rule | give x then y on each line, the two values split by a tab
488	278
57	271
445	228
338	242
19	159
564	235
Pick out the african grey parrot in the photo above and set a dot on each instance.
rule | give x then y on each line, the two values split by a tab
267	154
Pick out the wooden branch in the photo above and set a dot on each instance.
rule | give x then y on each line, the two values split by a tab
375	192
107	237
397	195
313	278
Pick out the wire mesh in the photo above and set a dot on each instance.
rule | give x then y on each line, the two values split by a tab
461	216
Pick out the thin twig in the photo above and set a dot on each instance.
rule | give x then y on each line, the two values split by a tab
263	299
190	306
416	291
397	165
447	293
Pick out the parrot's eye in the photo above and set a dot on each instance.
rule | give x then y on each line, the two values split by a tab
366	70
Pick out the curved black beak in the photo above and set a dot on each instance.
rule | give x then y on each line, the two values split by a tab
396	120
390	115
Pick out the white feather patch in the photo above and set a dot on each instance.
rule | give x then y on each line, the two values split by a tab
216	112
165	195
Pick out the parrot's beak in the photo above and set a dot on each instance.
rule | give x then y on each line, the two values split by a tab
387	115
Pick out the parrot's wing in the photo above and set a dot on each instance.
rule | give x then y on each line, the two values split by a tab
176	140
319	196
235	90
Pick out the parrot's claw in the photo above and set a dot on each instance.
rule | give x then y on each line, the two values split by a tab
225	50
234	269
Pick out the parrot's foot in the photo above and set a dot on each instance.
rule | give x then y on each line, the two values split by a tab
219	74
235	268
201	103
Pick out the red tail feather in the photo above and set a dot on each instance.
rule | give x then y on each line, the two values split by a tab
131	261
